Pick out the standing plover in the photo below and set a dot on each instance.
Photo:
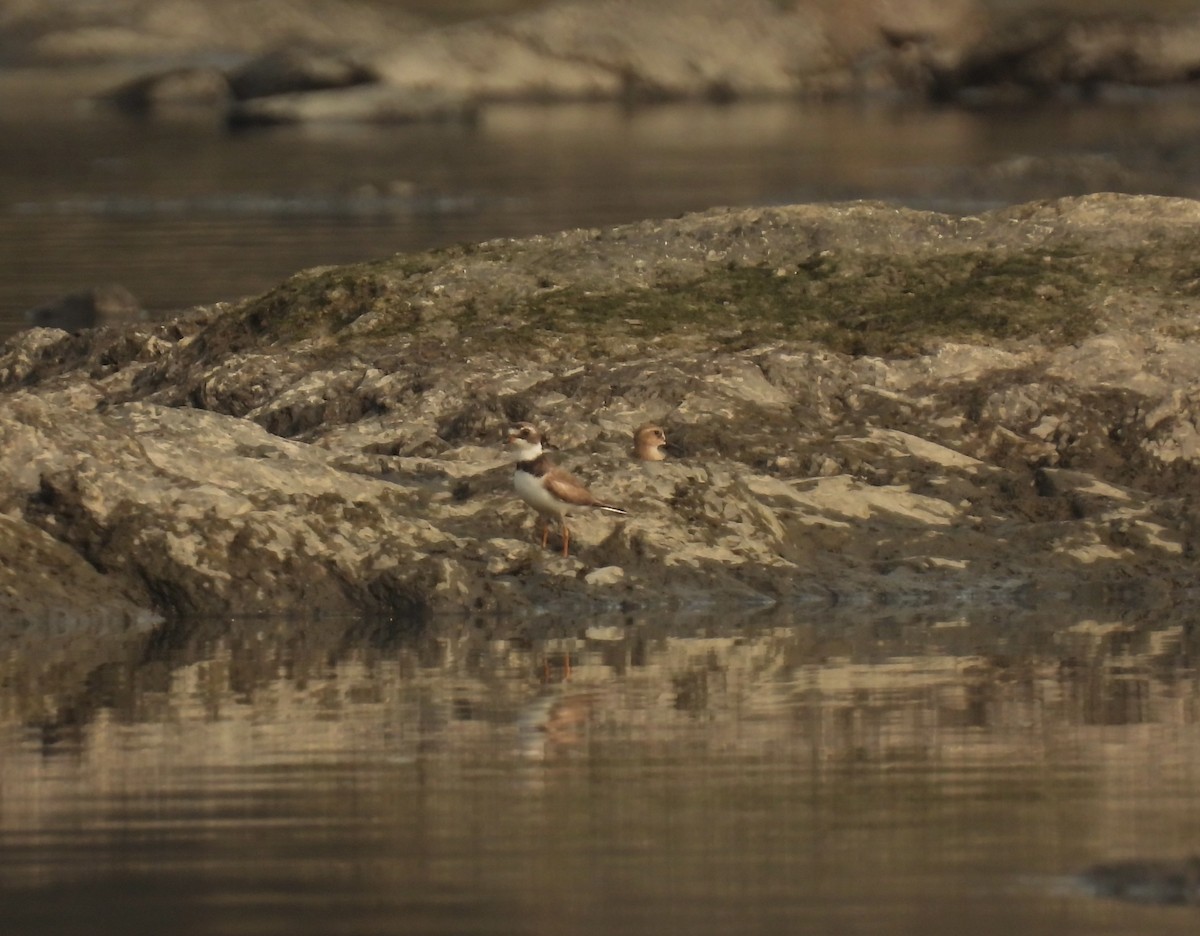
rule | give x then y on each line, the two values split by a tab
548	489
649	443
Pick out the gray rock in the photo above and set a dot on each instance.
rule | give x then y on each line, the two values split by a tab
48	588
870	405
175	87
361	104
1049	50
1169	883
87	308
191	32
717	50
291	69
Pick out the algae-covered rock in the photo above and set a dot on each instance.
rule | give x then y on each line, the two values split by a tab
868	404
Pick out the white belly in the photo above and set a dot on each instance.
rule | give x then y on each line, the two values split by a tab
531	490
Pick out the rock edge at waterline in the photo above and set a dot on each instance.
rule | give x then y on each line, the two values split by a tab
873	405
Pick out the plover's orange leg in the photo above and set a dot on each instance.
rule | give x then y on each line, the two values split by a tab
566	535
564	667
545	533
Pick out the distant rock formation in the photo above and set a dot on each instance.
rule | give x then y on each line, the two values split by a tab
629	50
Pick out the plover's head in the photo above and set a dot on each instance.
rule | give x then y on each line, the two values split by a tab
649	443
524	441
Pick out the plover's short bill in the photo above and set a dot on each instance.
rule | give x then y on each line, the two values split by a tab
548	489
649	443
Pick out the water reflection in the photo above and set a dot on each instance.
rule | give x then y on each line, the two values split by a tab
839	774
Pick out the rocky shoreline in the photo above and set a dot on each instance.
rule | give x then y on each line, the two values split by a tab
339	60
871	405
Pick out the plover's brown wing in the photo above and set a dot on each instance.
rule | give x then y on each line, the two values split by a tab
568	489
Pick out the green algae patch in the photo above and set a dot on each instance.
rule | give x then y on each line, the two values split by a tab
864	305
321	303
851	302
301	309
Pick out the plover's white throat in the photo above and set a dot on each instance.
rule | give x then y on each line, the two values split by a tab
551	491
649	443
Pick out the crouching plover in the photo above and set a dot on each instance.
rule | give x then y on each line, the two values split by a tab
649	443
548	489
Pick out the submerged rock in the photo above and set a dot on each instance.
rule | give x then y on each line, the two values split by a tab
867	404
86	308
1149	882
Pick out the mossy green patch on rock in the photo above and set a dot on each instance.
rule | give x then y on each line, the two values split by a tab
861	305
313	305
320	303
856	279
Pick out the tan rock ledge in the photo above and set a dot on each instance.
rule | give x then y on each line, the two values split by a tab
865	404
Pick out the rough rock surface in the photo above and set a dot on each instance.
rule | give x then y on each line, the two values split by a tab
872	405
1051	49
727	49
623	49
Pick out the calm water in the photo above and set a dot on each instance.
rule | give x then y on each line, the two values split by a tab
182	212
903	774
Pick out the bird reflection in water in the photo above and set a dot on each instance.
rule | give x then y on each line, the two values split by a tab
556	722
